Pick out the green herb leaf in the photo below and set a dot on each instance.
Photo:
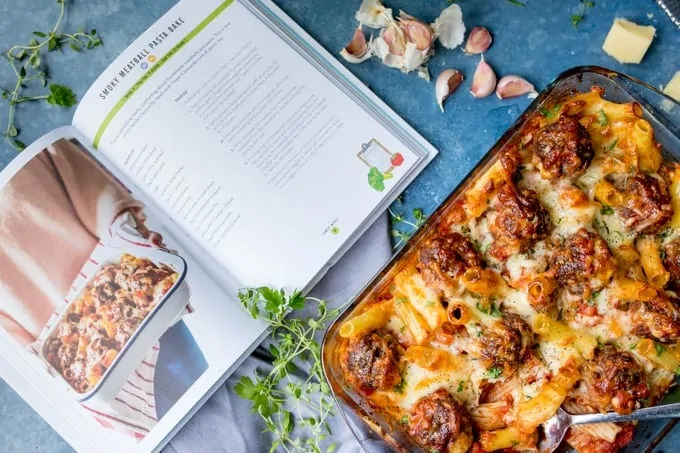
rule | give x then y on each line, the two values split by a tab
461	386
376	179
602	118
550	113
39	33
61	95
606	210
612	145
659	348
494	372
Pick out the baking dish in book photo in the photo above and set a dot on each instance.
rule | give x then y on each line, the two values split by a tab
549	278
115	319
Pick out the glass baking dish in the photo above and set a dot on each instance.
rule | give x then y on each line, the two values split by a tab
664	115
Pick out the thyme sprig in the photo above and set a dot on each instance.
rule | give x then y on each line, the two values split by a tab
293	347
29	68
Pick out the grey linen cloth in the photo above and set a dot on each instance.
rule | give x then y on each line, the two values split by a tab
225	423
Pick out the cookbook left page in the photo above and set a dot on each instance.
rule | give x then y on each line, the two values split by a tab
109	327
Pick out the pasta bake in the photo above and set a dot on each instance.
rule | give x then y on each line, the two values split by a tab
98	324
552	280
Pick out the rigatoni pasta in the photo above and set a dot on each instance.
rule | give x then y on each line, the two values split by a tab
555	272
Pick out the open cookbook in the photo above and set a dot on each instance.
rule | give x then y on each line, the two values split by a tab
223	149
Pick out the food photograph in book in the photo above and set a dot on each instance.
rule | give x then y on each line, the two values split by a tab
90	290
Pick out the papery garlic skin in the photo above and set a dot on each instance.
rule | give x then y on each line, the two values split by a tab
373	14
511	86
484	80
447	82
381	49
449	28
424	73
358	50
479	40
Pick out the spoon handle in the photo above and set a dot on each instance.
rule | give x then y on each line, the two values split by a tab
647	413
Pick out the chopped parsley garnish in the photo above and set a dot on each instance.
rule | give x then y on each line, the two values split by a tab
606	210
399	388
550	113
403	420
662	254
477	246
402	300
461	386
632	346
659	348
602	118
593	296
429	303
494	372
491	310
612	145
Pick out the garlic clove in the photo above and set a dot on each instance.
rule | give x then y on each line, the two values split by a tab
511	86
449	28
416	31
358	49
479	40
446	83
395	39
373	14
484	80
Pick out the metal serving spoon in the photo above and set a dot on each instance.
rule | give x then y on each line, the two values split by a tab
555	428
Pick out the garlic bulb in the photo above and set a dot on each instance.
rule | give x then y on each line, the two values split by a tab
447	82
373	14
449	27
358	49
479	40
484	80
511	86
405	44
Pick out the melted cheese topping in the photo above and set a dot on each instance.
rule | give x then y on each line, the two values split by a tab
480	340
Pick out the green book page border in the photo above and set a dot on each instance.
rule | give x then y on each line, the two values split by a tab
155	67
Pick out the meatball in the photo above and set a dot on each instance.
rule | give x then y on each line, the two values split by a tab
447	256
520	221
647	206
371	361
583	262
614	380
437	421
505	342
671	261
563	148
105	293
657	318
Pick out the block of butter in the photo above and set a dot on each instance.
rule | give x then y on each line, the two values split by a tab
673	87
628	42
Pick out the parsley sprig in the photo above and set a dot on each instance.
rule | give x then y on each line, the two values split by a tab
294	346
29	68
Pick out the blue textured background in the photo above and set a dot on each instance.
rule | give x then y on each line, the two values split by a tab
536	41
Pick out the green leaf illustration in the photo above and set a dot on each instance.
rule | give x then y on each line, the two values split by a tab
376	179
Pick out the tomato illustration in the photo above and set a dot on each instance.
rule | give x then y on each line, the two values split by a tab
397	159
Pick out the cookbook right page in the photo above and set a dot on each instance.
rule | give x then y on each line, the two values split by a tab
245	143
